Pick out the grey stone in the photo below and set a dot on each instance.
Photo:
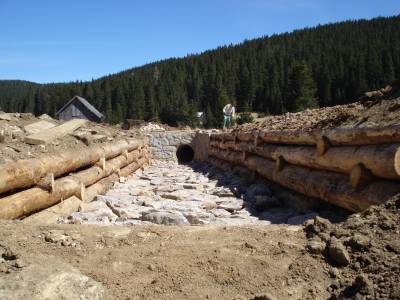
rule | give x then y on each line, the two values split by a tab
298	220
49	279
218	212
338	253
315	247
165	218
232	205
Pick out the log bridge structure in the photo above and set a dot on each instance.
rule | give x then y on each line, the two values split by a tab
349	167
31	185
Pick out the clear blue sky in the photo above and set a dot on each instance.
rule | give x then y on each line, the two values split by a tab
65	40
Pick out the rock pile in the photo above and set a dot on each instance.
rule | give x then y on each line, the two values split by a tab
151	127
168	193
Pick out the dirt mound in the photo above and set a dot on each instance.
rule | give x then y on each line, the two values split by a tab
363	252
371	111
13	130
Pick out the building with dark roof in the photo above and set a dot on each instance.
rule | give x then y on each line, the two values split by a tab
79	108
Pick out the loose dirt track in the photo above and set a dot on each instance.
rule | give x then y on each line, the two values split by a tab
179	262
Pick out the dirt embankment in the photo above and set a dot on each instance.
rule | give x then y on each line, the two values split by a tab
369	112
14	127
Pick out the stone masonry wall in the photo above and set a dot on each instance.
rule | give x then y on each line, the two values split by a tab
165	143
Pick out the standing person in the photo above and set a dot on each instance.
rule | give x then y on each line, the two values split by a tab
229	113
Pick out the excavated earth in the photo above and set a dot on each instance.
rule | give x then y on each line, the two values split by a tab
230	236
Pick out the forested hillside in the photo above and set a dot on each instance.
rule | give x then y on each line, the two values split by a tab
321	66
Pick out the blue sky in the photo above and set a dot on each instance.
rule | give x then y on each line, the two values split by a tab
66	40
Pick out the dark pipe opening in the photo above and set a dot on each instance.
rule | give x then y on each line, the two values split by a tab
185	154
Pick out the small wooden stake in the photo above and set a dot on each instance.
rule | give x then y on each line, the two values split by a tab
82	192
125	153
280	163
256	141
323	144
103	163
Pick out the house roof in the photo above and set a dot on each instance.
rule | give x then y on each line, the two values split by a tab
85	103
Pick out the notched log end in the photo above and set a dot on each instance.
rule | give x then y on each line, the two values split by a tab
360	176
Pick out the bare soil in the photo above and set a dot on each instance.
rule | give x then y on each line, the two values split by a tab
177	262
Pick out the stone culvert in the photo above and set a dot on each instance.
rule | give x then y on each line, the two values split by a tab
180	146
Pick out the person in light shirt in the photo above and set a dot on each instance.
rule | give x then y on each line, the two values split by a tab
229	113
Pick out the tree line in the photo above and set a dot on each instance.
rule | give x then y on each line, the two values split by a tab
320	66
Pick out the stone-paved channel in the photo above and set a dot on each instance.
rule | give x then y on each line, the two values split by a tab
173	194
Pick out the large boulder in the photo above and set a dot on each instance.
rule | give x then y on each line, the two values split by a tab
50	280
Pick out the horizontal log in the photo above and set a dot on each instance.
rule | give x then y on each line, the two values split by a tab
26	173
222	136
279	137
332	187
100	187
52	214
364	135
339	136
36	199
106	183
382	160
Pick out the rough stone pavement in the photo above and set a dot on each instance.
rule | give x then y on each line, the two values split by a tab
168	193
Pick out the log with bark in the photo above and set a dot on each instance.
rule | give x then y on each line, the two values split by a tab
26	173
35	199
382	160
338	136
332	187
106	183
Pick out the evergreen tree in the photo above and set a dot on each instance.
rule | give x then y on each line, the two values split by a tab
301	88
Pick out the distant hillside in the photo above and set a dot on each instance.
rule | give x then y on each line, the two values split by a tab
324	66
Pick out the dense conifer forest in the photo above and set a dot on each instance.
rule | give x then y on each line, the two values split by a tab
321	66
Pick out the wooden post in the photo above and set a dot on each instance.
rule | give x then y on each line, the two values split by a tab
280	163
323	144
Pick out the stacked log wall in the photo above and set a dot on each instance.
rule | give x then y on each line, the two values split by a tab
350	167
47	181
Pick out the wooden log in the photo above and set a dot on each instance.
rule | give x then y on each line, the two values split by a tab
332	187
279	137
36	199
47	182
360	176
106	183
222	137
339	136
25	173
46	136
52	214
364	135
382	160
100	187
